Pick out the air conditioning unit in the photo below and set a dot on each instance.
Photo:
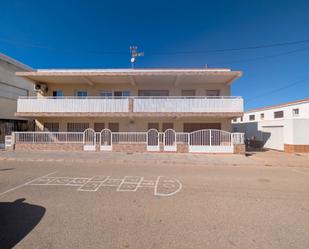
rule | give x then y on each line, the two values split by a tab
40	87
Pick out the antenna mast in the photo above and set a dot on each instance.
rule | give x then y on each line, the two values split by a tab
134	54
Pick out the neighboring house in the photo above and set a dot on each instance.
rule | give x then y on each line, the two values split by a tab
281	127
131	100
11	87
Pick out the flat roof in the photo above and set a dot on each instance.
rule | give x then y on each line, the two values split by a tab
216	75
301	101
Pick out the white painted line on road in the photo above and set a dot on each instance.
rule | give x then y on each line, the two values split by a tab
24	184
156	193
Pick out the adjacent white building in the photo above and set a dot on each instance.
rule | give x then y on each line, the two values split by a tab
282	127
12	87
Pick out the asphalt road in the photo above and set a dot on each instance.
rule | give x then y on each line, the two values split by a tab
190	207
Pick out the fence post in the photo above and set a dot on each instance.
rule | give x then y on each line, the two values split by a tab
210	137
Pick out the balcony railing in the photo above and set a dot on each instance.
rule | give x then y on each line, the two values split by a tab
188	104
72	104
162	104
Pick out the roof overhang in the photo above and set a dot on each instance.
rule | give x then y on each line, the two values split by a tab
133	76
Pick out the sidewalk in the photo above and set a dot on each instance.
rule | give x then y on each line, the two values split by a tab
122	157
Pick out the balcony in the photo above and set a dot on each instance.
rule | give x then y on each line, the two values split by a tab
130	106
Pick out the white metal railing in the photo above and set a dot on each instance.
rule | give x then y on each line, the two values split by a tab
194	104
188	104
72	104
238	138
129	137
202	137
182	137
48	137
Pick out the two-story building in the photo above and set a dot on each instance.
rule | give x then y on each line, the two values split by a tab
131	100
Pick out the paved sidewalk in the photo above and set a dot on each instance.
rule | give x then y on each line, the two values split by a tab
129	158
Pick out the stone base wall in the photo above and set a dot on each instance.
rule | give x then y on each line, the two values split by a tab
54	147
182	148
295	148
240	149
129	148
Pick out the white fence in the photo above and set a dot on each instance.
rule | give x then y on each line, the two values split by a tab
72	104
212	141
121	104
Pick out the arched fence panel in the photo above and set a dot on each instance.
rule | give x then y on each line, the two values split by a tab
211	141
89	140
169	139
153	140
106	141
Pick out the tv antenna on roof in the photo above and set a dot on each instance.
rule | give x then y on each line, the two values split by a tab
134	54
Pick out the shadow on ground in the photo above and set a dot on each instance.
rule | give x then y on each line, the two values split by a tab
17	219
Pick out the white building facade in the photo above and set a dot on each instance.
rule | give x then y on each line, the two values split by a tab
11	88
282	127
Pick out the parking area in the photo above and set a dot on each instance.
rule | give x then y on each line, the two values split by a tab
118	200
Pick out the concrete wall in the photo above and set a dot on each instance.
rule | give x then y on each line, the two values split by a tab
137	124
174	90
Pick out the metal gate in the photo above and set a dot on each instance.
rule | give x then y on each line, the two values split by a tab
106	140
169	139
153	140
89	140
211	141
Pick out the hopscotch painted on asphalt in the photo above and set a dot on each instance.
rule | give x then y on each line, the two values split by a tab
162	186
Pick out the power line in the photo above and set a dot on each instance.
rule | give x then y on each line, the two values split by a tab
261	57
279	89
159	53
234	49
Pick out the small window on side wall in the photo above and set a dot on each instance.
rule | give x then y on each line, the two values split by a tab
252	117
278	114
262	116
295	112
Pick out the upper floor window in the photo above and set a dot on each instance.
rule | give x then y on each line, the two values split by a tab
81	93
106	93
252	117
122	93
153	93
278	114
213	92
187	92
295	112
57	93
115	93
262	116
234	120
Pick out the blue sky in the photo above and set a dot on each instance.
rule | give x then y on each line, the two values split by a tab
97	34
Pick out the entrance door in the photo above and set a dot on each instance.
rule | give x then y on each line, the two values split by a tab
106	140
170	140
273	137
89	140
153	140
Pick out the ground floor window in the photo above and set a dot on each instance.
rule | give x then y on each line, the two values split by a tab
98	127
190	127
153	126
114	127
77	127
166	126
52	127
